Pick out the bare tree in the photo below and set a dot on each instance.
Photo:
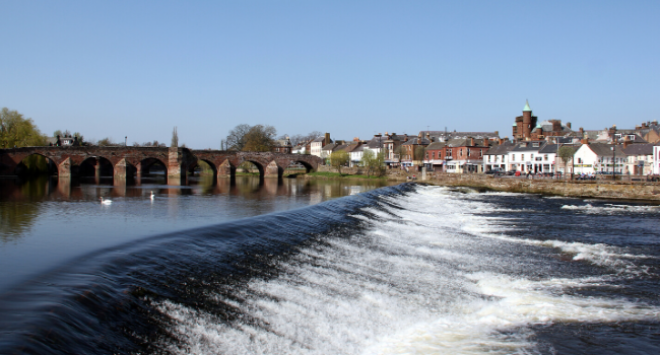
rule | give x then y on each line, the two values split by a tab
236	138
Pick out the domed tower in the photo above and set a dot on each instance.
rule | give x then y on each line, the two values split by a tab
527	121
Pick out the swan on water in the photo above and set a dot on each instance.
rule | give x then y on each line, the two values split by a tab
152	196
105	202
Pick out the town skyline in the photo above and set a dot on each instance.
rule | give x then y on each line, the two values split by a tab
354	70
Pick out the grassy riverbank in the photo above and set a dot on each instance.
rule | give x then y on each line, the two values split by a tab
337	176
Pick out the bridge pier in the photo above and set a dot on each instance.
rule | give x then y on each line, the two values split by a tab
64	169
272	170
176	173
225	170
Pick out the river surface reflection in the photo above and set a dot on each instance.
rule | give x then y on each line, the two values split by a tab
47	222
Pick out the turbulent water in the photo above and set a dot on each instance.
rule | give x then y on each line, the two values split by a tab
408	269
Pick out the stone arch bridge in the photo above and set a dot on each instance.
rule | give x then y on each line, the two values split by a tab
128	162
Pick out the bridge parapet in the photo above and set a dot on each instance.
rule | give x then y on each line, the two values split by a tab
178	161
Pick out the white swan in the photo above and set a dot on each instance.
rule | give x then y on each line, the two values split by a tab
105	202
153	197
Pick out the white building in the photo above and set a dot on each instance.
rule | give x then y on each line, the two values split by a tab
317	145
599	158
656	159
496	157
356	155
640	159
524	157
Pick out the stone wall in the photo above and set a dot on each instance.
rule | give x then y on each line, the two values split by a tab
594	189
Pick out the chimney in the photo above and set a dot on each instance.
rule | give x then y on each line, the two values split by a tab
581	132
485	142
356	139
643	125
405	137
500	141
556	125
655	122
638	127
327	138
568	124
497	133
585	140
626	142
471	142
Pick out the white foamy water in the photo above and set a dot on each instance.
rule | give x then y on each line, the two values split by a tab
431	277
612	209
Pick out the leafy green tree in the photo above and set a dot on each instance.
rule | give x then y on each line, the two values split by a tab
175	138
338	159
378	163
367	161
566	154
15	130
259	139
375	163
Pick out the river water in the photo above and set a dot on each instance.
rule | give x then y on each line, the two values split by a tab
299	267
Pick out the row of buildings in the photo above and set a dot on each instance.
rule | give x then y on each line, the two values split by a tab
534	148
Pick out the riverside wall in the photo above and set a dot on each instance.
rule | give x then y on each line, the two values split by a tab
628	190
591	189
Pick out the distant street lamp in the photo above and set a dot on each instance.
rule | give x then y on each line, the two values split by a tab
126	141
613	165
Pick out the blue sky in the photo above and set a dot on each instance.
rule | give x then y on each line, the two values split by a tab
351	68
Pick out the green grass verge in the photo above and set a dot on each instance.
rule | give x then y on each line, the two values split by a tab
329	175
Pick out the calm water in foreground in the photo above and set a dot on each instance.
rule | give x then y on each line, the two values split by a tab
299	267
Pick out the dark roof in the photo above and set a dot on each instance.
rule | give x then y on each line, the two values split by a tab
352	147
549	148
342	147
500	149
320	139
604	150
376	142
436	145
330	146
416	140
528	146
639	149
450	135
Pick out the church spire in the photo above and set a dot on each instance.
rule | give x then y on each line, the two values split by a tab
527	107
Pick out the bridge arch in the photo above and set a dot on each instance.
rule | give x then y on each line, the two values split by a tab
36	164
96	166
259	165
308	167
151	167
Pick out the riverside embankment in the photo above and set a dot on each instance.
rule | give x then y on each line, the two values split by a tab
626	190
594	189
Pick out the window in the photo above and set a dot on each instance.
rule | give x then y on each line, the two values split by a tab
513	157
481	153
460	152
535	144
489	158
522	157
545	157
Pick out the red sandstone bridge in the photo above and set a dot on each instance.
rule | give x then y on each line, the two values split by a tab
129	162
